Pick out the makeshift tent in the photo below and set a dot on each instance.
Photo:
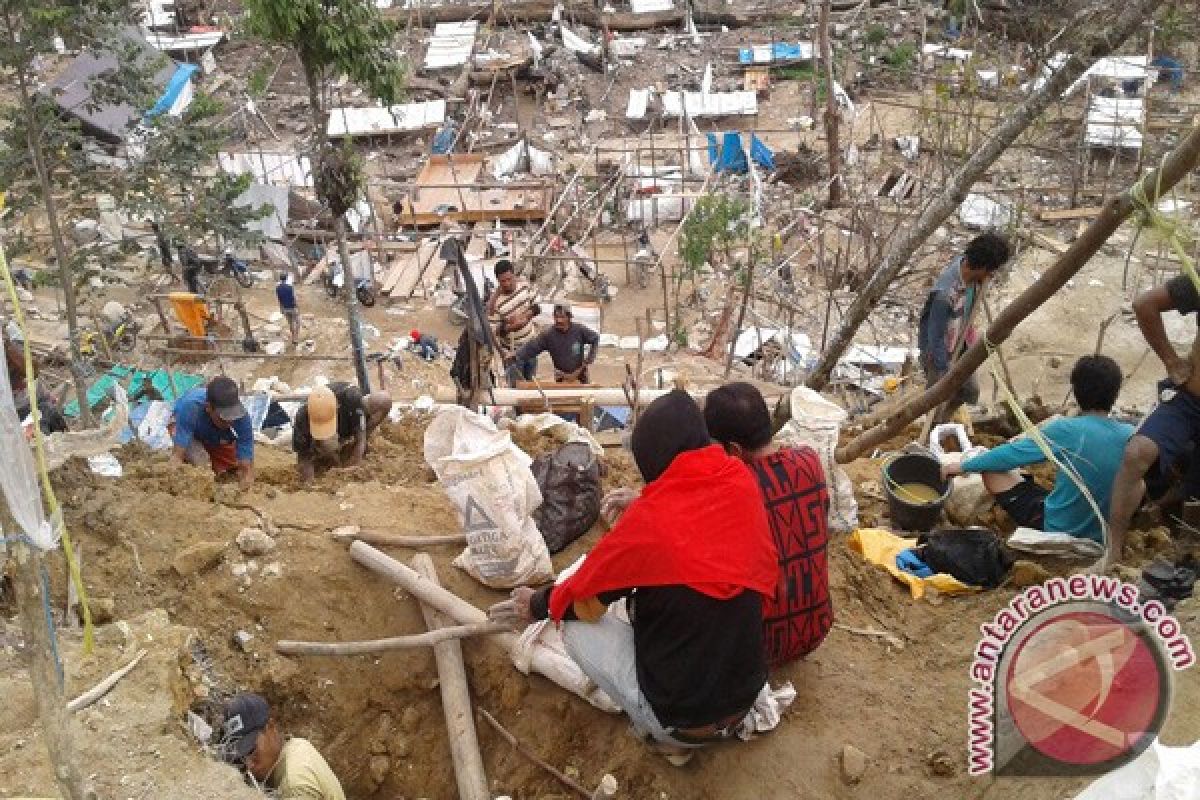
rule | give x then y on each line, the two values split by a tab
133	378
522	157
730	156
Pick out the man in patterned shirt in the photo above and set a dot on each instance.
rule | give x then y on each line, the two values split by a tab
797	619
511	310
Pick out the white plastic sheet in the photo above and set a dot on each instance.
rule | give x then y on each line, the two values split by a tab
18	476
488	480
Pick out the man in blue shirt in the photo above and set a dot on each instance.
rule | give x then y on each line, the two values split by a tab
1090	444
945	327
211	425
285	293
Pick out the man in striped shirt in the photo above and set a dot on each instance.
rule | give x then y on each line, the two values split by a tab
511	310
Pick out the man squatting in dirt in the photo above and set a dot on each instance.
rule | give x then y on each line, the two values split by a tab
1160	460
211	426
572	347
290	766
945	328
333	425
689	665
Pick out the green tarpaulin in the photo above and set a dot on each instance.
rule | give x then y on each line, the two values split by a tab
121	374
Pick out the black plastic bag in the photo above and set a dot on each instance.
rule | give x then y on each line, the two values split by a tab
975	556
570	482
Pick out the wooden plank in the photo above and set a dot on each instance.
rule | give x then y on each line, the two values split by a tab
1054	215
1046	242
411	277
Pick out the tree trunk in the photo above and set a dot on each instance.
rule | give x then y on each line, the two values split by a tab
43	669
831	109
747	292
1179	163
34	141
348	285
899	255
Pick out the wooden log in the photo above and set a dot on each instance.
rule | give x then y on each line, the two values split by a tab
103	687
1055	215
290	647
456	698
347	534
1178	163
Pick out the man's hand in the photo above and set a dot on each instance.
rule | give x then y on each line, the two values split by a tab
178	455
952	469
245	475
514	612
1179	371
305	471
615	503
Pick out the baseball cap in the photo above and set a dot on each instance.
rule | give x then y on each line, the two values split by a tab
246	715
322	413
223	395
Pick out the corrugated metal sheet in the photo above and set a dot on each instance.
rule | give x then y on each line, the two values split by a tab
380	121
278	169
451	45
715	104
272	225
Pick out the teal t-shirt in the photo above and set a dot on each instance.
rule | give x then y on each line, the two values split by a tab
1092	445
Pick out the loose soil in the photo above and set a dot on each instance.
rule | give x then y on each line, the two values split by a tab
378	718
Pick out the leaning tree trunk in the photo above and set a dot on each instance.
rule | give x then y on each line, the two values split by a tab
831	109
1182	160
34	141
1094	47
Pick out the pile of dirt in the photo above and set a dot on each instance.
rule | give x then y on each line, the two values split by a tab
378	718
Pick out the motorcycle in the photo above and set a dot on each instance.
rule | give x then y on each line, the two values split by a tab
237	269
333	280
120	337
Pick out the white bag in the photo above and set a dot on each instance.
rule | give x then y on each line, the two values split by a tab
488	479
816	422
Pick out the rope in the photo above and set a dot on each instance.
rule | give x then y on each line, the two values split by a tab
43	472
1149	216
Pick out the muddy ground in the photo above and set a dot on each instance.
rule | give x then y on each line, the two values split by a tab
378	718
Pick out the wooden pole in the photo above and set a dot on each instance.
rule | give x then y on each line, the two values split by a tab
831	110
456	698
1178	163
524	750
433	639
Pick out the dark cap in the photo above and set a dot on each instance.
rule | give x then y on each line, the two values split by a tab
563	308
246	715
223	397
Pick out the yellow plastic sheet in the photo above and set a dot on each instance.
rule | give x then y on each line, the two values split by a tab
882	546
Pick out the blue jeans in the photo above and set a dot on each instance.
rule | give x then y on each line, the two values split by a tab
604	651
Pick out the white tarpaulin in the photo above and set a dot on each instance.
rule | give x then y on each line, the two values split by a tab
714	104
273	224
451	44
650	6
277	169
659	199
1115	121
798	345
979	211
947	53
378	121
522	157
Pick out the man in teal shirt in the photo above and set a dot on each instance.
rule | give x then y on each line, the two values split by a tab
1091	444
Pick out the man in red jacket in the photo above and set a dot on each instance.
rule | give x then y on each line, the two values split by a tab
799	615
693	559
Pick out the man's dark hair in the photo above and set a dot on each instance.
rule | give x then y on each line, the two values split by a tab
987	251
1096	381
565	310
502	266
736	413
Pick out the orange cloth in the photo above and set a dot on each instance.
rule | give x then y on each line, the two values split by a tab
192	311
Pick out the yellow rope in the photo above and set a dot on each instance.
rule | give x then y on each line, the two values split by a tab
39	449
1149	216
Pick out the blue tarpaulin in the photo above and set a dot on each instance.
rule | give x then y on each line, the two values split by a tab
175	86
780	51
1170	69
730	156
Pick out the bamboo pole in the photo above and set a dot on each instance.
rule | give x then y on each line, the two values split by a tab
456	697
434	638
1178	163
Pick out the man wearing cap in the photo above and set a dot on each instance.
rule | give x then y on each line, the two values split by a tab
211	425
291	767
333	425
566	342
425	344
